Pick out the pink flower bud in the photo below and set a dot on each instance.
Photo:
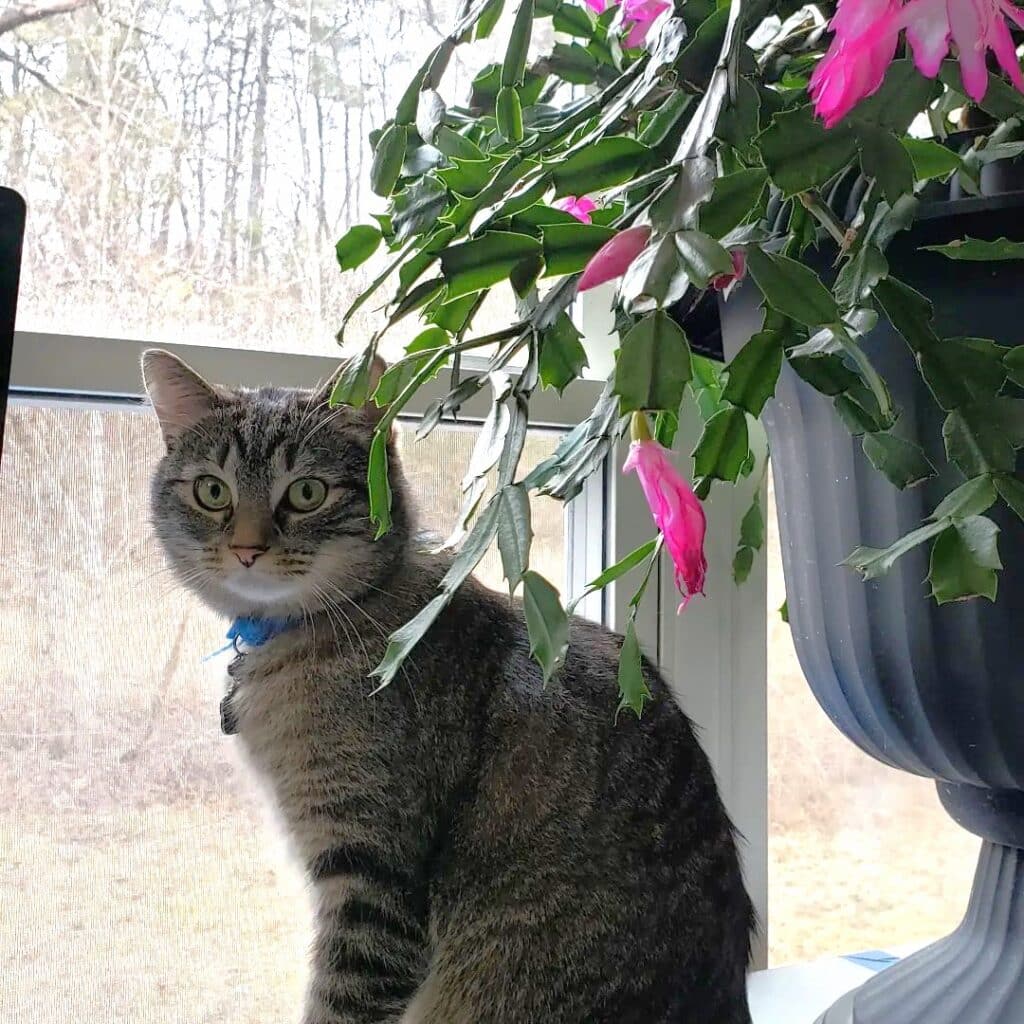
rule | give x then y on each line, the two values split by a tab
677	514
612	260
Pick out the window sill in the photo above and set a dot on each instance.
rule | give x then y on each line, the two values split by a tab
801	993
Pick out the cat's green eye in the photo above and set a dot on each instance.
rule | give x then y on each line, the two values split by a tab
211	493
306	494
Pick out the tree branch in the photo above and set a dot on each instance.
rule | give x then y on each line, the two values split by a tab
24	14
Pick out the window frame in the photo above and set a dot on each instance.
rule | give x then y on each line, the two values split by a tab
714	656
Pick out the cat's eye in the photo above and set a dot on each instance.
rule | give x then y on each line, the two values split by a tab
306	494
211	493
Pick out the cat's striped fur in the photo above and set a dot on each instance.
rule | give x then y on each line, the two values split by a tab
482	849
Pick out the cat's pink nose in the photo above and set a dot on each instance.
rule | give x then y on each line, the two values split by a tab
247	555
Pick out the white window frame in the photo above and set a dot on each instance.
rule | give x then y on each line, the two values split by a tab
714	655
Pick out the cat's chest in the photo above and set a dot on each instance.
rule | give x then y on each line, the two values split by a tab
293	718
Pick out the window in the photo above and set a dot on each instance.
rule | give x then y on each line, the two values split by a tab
189	166
860	855
139	878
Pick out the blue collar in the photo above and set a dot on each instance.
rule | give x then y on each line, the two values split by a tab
257	632
254	632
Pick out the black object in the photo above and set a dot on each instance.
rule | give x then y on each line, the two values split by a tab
12	230
934	690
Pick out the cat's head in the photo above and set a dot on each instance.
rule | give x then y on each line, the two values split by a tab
260	500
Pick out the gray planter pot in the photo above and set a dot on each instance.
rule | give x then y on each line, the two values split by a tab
937	691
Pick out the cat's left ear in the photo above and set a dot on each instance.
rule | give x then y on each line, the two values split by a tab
369	410
180	397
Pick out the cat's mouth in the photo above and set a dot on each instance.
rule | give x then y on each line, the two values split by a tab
260	586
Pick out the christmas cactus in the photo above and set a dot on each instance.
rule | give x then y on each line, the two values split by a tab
674	150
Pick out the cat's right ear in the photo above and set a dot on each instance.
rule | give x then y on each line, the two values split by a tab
180	397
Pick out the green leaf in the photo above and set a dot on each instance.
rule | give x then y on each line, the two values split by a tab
573	63
977	443
931	159
860	274
734	196
353	384
514	65
702	257
660	126
791	288
380	487
573	21
723	446
620	568
962	370
514	532
633	691
562	357
489	18
1014	363
402	641
884	159
979	250
903	95
908	311
874	562
484	261
1011	490
509	114
903	462
388	158
357	245
742	563
800	153
430	112
752	526
754	372
569	247
964	561
653	365
969	499
417	208
546	622
599	166
1000	100
784	611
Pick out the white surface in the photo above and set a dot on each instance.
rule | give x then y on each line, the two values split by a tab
802	993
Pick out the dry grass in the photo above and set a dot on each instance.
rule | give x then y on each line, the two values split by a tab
138	881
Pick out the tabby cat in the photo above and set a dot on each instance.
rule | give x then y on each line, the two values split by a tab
482	849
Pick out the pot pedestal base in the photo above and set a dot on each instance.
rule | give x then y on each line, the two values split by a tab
976	976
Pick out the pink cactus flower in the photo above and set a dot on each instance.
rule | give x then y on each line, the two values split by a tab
739	270
581	208
612	260
867	31
866	34
976	26
639	15
677	513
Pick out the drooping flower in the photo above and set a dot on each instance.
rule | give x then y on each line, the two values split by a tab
739	271
639	15
866	33
976	26
580	207
676	511
612	260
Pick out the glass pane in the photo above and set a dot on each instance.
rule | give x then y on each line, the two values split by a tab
189	166
139	879
861	856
